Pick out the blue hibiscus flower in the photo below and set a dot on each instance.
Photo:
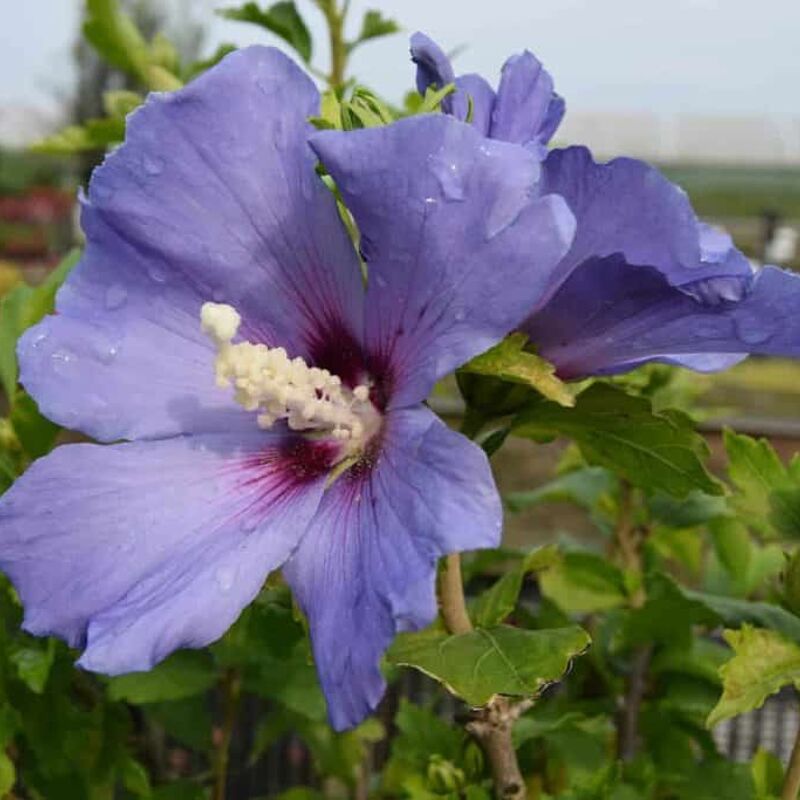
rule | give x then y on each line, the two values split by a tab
311	449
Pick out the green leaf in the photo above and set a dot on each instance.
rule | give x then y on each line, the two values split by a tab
282	19
8	774
485	662
767	772
8	471
621	432
35	433
791	583
135	777
509	361
671	610
33	663
188	720
330	112
421	734
21	308
696	508
163	53
764	662
583	582
732	545
185	673
120	103
180	790
784	513
364	110
115	37
12	313
374	25
432	101
94	134
495	604
756	471
585	487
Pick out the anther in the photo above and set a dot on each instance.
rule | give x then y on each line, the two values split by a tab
267	381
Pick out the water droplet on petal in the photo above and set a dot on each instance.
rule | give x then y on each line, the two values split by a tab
224	577
63	361
249	524
752	328
449	176
39	338
153	165
280	134
157	274
116	296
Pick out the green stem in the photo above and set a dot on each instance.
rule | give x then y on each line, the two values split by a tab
451	596
335	19
231	692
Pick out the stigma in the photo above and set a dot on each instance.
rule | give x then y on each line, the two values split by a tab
266	381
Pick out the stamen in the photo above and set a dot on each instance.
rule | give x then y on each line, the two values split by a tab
267	381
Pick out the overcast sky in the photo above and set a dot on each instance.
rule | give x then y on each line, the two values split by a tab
697	56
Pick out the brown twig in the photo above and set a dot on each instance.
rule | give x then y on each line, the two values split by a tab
491	725
231	692
628	540
791	780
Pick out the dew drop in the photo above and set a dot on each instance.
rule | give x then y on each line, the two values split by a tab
39	338
224	577
63	361
157	274
753	329
449	176
116	296
153	165
280	134
249	524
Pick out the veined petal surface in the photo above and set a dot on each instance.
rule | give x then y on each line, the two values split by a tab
366	569
459	242
213	196
137	549
610	316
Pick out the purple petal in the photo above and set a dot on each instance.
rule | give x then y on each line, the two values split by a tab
366	569
481	95
459	241
135	550
527	109
212	196
628	207
611	316
434	70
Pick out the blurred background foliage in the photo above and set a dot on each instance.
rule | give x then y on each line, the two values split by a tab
688	586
